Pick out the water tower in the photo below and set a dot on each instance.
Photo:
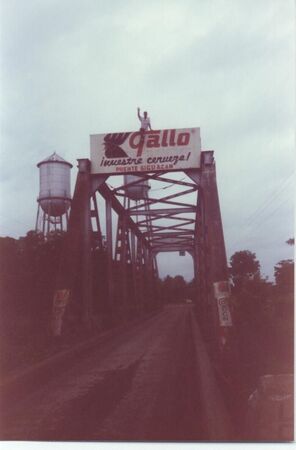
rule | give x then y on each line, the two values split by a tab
138	190
54	194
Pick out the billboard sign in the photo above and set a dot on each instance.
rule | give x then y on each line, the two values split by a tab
151	151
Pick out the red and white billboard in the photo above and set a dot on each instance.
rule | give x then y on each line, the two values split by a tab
152	151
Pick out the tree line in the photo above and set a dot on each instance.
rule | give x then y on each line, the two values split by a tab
262	310
28	267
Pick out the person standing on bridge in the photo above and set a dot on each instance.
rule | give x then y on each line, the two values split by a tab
145	122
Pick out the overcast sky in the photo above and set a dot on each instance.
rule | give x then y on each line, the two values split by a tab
72	68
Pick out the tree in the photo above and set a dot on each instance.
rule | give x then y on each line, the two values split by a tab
284	275
28	268
180	286
10	269
174	289
244	267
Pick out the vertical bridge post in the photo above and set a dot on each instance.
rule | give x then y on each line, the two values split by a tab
212	255
75	263
86	257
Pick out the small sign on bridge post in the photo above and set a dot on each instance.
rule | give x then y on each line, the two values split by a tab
222	294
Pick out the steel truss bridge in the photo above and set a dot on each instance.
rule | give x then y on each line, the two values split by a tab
116	275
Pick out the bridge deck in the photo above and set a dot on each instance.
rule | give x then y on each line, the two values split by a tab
151	382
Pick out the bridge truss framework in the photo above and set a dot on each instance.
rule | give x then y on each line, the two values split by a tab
187	220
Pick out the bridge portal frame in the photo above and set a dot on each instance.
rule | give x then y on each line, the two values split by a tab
204	242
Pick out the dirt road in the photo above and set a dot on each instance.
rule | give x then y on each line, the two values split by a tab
139	385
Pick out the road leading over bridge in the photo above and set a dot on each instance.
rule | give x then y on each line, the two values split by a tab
152	381
116	278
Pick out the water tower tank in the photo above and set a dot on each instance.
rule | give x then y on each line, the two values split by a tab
139	191
55	187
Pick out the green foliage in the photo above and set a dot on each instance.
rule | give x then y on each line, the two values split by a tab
251	292
28	266
255	300
284	276
252	301
174	289
244	267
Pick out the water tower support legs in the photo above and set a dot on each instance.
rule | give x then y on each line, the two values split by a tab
37	218
48	218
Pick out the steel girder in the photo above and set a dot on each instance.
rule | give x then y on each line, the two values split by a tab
186	219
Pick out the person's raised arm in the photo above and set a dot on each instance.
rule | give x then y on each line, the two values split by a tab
139	116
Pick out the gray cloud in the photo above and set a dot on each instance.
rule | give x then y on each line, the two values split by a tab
72	68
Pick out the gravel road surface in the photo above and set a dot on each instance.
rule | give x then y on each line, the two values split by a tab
141	385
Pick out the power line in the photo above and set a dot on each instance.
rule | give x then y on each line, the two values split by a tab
274	194
262	221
